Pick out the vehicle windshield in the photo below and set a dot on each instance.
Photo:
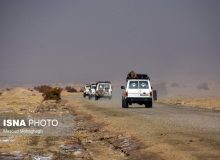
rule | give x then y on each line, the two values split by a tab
93	86
107	86
101	86
104	86
133	84
138	85
143	85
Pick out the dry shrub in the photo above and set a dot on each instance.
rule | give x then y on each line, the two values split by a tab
70	89
0	93
175	85
161	89
81	90
30	89
49	93
52	94
43	88
203	86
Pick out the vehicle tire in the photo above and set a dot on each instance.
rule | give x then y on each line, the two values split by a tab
124	104
90	96
155	95
149	104
96	97
110	97
84	95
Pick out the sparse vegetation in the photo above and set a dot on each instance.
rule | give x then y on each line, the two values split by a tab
71	89
52	94
49	93
30	89
161	89
43	88
0	93
81	90
208	103
203	86
175	85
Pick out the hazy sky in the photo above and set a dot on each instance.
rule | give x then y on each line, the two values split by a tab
79	41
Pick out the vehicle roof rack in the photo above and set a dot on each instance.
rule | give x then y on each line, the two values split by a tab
138	76
103	82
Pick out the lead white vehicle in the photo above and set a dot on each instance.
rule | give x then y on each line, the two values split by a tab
138	90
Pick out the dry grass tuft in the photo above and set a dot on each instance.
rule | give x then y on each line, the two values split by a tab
71	89
49	93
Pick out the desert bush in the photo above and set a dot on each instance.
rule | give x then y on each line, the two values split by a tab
203	86
52	94
30	89
175	85
161	89
70	89
81	90
0	93
49	93
43	88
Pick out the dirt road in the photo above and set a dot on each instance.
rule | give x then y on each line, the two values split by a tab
172	132
103	130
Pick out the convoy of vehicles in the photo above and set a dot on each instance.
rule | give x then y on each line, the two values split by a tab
138	90
101	89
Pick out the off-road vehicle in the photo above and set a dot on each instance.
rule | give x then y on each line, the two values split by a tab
92	90
86	90
137	90
103	89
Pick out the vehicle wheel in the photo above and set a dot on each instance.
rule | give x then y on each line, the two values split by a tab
84	95
124	104
96	97
90	97
110	97
149	104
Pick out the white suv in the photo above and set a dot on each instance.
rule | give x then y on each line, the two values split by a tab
103	89
137	90
86	90
92	90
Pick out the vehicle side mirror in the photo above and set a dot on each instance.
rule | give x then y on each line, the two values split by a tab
122	87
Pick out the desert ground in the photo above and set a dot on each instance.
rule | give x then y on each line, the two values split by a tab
206	103
103	130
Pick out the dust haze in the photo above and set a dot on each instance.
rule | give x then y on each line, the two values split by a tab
176	42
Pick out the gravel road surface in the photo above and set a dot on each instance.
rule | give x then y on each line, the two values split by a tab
175	132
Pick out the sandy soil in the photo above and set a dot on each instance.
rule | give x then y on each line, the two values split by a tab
176	133
105	131
207	103
90	141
